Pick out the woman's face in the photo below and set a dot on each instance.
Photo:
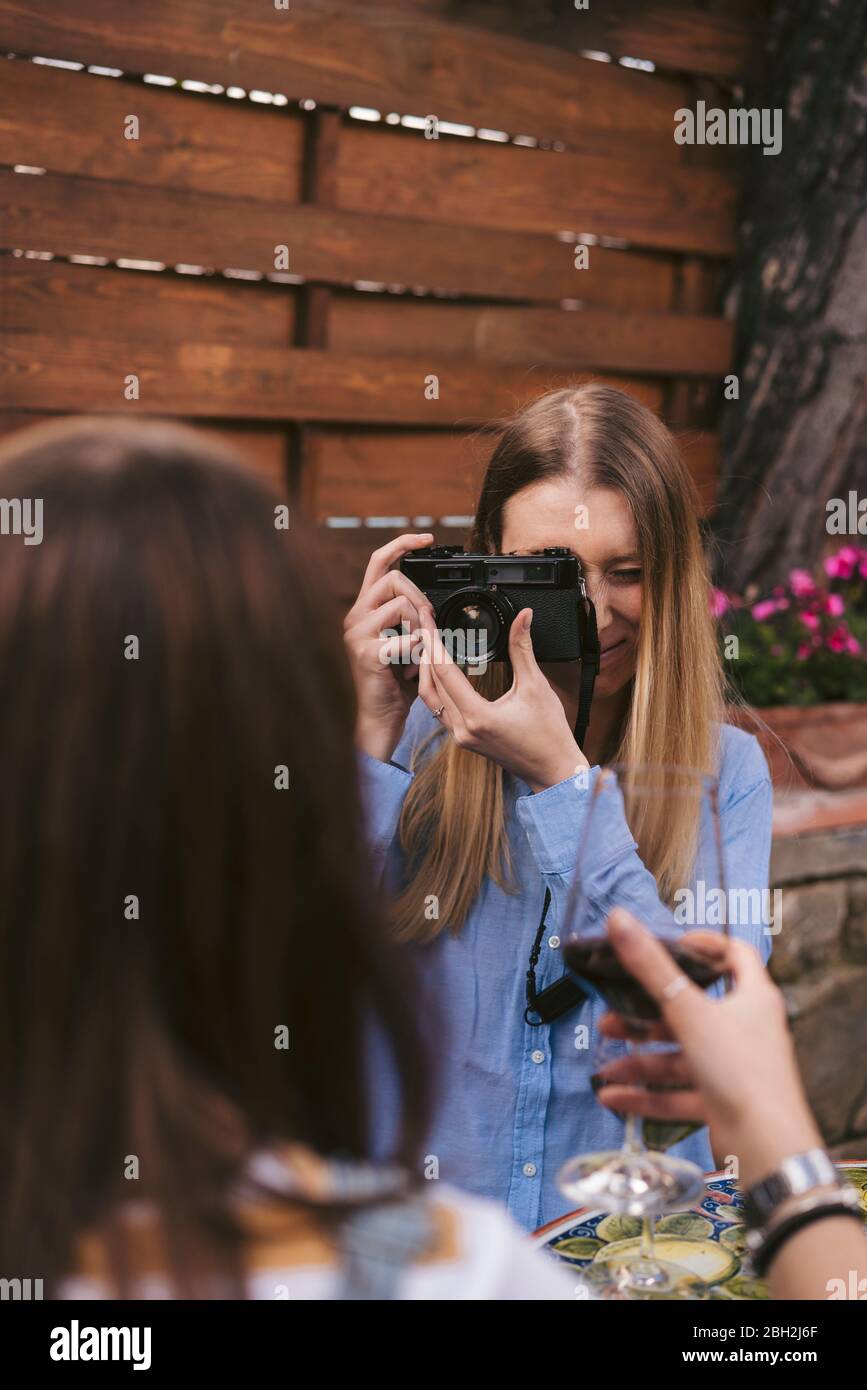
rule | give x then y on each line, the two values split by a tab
597	526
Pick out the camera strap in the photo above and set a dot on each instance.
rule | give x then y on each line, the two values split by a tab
564	994
556	999
590	657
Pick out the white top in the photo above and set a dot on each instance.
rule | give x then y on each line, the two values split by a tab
493	1261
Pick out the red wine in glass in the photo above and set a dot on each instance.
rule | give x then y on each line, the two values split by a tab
593	959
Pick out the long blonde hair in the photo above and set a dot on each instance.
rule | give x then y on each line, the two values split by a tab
452	827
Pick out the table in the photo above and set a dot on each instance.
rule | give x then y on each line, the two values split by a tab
707	1239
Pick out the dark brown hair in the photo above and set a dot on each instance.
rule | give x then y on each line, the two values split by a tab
151	775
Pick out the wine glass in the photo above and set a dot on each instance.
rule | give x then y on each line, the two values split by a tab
661	1135
656	799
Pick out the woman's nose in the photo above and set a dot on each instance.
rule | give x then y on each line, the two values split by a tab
599	595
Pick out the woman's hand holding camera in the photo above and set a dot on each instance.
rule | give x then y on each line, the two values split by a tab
383	668
526	730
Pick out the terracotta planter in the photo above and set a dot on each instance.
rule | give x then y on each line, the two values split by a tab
822	746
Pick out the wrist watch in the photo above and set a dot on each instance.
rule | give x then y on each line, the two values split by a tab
812	1180
795	1176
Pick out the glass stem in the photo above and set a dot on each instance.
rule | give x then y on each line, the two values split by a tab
633	1139
647	1248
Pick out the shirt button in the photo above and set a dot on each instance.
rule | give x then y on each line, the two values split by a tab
553	942
529	1170
537	1056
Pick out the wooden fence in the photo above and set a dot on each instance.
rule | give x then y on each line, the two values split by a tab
284	255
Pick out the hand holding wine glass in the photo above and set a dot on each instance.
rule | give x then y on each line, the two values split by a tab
635	1180
736	1062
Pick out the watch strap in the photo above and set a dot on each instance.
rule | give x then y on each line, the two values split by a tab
796	1175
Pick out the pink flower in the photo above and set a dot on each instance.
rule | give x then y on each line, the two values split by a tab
809	620
834	605
802	584
841	640
844	563
862	565
719	602
804	651
766	609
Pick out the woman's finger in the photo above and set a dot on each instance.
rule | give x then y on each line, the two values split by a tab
521	653
647	1069
389	586
428	689
396	652
390	615
616	1026
680	1001
464	703
656	1105
387	555
736	958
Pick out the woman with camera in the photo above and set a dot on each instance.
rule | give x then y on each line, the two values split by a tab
477	793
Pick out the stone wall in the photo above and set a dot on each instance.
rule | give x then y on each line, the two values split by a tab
819	959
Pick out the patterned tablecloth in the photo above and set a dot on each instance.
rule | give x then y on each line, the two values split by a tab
707	1239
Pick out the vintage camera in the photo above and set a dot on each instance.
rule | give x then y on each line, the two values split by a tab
476	598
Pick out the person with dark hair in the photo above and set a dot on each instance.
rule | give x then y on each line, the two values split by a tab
192	953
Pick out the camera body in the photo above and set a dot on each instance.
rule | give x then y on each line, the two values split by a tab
476	598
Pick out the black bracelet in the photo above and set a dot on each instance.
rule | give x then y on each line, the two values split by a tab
777	1237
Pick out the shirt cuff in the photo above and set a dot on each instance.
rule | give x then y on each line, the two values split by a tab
383	789
555	819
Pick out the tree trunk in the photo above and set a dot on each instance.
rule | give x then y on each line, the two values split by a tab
796	436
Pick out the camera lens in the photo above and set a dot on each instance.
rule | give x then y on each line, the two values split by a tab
475	625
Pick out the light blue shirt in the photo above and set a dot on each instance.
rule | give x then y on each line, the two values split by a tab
516	1101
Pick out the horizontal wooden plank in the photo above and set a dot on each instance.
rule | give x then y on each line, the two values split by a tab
74	123
701	452
84	216
417	473
206	379
588	339
345	552
396	473
503	186
11	421
265	450
721	40
342	54
100	301
714	38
